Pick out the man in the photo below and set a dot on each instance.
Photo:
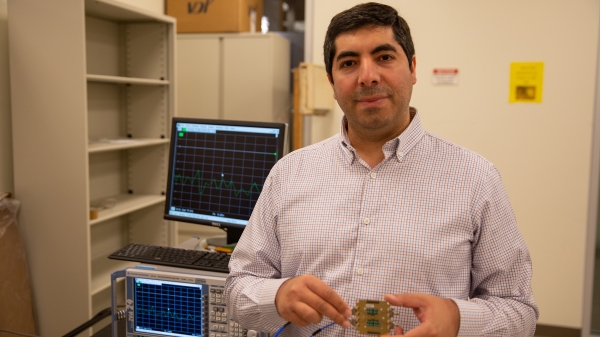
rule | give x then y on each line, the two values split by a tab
382	208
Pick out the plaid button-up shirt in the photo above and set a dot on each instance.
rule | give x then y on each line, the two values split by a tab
432	218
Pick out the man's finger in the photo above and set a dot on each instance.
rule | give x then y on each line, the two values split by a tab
296	319
310	299
307	313
321	306
328	294
326	309
438	316
407	300
398	331
419	331
327	302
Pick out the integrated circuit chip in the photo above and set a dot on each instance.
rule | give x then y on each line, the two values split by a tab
372	317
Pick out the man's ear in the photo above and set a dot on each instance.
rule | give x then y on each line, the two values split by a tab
414	69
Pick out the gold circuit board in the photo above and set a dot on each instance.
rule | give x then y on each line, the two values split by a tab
372	317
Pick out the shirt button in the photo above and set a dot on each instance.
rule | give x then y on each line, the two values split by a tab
360	272
373	175
401	153
366	221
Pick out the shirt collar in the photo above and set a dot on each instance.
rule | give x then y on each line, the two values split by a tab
398	146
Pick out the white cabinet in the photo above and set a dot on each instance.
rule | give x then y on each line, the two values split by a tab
92	94
234	76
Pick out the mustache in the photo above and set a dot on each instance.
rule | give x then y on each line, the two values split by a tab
371	91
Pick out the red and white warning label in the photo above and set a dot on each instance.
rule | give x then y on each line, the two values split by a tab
445	76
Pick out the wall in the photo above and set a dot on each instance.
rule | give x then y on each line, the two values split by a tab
542	150
157	6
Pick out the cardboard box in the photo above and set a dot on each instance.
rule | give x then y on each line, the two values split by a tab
215	16
16	300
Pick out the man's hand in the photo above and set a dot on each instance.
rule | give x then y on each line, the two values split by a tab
438	316
305	299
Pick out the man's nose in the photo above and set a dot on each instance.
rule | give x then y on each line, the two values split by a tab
369	74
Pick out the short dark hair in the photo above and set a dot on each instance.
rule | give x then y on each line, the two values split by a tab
367	14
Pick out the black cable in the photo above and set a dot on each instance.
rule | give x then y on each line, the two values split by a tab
99	316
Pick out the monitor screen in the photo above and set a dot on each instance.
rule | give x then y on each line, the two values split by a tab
217	169
168	308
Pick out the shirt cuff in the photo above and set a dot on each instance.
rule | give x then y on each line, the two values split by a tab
472	321
266	301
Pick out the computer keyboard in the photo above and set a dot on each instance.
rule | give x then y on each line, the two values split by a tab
174	257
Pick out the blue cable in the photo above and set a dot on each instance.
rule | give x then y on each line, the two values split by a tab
281	329
313	334
323	328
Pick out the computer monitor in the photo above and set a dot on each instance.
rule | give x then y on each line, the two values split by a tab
217	169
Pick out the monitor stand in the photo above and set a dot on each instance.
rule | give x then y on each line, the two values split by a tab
233	236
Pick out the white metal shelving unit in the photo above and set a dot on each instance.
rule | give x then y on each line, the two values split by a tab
92	85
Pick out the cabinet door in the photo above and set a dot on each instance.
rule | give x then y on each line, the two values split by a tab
198	78
248	78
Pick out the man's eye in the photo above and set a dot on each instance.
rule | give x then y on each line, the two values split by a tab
347	64
386	57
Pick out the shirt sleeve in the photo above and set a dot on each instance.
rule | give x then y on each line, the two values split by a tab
501	300
255	268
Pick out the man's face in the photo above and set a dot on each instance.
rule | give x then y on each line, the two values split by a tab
372	82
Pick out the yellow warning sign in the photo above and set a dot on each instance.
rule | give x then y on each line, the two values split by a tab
526	82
